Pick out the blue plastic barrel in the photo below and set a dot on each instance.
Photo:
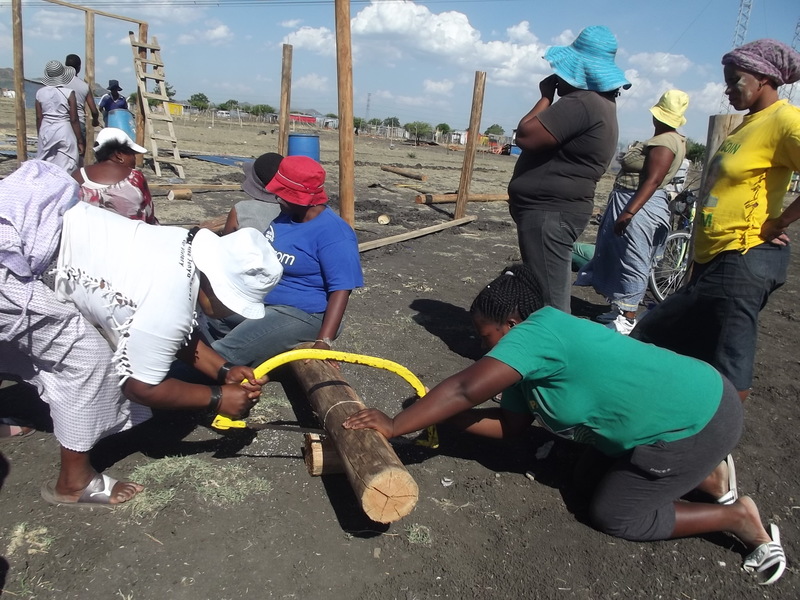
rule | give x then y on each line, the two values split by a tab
304	144
122	119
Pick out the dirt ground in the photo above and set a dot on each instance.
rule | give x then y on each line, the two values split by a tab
237	516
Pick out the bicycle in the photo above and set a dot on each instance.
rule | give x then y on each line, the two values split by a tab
669	269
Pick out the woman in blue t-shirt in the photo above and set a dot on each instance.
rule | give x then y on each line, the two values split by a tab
663	435
321	266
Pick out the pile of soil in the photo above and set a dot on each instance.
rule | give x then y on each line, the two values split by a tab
481	527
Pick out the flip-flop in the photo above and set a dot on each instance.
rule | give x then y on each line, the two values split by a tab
97	493
732	495
768	561
10	433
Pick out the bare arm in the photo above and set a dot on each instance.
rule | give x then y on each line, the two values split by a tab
93	109
231	223
774	230
39	116
656	165
175	394
334	313
76	124
456	394
531	134
206	360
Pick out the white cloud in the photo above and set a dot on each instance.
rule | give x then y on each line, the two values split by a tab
565	38
311	82
215	35
111	61
291	24
709	99
521	33
443	87
53	24
661	64
320	40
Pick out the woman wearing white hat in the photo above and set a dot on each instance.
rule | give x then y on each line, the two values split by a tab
142	287
60	139
566	148
636	222
113	182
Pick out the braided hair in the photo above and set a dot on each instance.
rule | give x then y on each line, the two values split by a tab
515	291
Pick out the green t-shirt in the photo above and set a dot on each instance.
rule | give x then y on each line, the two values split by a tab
591	384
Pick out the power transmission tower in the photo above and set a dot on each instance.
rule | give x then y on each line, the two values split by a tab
366	118
742	22
787	91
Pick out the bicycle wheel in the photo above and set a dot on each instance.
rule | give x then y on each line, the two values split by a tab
667	274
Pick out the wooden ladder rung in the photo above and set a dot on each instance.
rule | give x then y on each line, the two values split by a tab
158	117
163	138
159	97
169	160
136	44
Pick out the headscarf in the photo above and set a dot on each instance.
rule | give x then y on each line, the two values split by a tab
767	57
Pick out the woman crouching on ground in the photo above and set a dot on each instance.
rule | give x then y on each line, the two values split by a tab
676	442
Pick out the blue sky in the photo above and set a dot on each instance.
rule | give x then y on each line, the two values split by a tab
412	60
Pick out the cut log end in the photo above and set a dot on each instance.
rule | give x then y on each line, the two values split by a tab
390	495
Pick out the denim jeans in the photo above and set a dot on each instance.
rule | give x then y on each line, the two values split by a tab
715	317
545	243
252	341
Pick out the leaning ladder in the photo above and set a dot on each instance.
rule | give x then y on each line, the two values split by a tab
145	54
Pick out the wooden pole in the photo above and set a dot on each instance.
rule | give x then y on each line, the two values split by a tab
445	198
404	173
472	143
719	127
344	70
19	83
286	100
410	235
88	74
382	485
196	187
140	100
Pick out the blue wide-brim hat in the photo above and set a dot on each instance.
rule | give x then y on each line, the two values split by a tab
588	62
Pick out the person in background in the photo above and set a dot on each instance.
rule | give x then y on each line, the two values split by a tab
84	98
264	206
636	221
566	148
112	100
60	141
138	286
566	372
321	266
113	182
741	246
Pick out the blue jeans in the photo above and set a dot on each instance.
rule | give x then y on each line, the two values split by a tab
545	243
252	341
715	316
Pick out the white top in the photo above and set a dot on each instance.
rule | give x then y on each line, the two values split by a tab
136	282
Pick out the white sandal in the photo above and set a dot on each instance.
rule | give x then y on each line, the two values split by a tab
732	495
768	561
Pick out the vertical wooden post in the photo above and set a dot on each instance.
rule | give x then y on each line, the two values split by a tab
88	72
19	83
472	143
344	69
140	99
286	100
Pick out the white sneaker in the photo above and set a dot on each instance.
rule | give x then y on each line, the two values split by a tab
609	316
622	324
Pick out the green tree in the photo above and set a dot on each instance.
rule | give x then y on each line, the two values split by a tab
133	99
418	129
391	122
332	116
170	90
260	110
444	128
358	122
228	105
374	122
199	100
695	151
494	129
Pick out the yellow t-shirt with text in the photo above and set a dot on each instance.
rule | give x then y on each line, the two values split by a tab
749	175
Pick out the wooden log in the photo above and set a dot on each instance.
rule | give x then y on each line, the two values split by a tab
344	84
320	456
196	187
179	194
384	488
19	82
410	235
286	100
445	198
404	173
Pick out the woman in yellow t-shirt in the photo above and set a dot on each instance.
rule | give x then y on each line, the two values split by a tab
741	248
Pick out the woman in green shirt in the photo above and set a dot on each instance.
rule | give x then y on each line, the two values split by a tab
666	421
